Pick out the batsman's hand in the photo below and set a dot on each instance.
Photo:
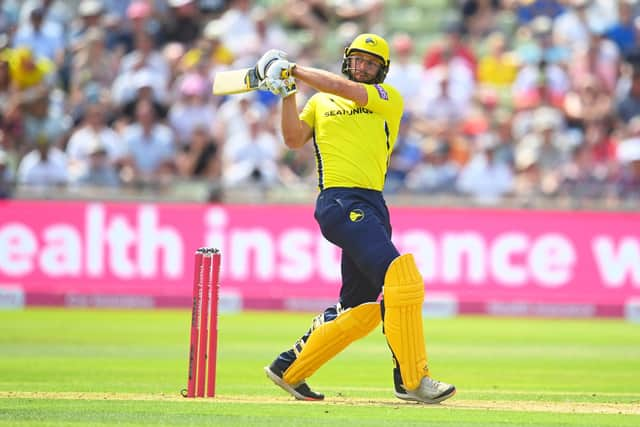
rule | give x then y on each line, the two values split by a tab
267	60
281	87
279	79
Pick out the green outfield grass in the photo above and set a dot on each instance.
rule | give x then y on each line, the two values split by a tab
102	367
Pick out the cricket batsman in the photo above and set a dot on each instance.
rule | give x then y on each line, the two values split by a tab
353	123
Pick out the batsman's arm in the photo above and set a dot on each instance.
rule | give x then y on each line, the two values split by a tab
325	81
295	132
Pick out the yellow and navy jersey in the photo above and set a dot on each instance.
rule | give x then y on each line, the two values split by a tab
353	143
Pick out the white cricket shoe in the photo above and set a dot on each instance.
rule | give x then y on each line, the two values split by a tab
429	391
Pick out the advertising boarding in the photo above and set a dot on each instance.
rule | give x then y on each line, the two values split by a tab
501	262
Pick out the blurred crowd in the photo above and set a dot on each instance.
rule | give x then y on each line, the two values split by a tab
504	99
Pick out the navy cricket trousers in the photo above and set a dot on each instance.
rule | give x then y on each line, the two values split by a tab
357	220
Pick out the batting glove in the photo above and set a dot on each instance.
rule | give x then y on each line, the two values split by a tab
267	59
279	79
280	69
281	87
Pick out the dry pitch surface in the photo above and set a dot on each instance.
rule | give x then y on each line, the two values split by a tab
509	405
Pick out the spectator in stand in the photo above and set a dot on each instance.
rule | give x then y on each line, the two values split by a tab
93	69
297	167
406	75
629	106
58	13
146	55
270	34
31	77
253	157
239	33
528	10
201	157
485	179
41	120
198	60
598	58
220	54
365	13
479	17
125	19
451	47
534	43
6	176
476	122
528	187
573	28
150	145
44	166
173	54
623	85
501	124
93	131
606	11
9	102
548	145
9	12
45	41
588	101
139	19
313	16
227	125
628	182
524	114
182	23
499	67
120	9
581	178
191	111
90	17
436	173
599	138
444	101
209	55
100	170
540	82
406	155
624	32
133	87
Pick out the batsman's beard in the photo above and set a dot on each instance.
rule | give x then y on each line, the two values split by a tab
361	76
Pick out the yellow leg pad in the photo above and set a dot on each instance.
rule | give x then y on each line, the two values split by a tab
331	338
403	298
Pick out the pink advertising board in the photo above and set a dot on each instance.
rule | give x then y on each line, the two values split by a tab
486	261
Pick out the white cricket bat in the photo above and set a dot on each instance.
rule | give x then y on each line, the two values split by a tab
235	81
